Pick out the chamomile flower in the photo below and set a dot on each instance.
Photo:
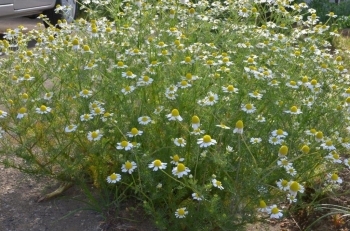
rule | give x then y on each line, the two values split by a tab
181	212
174	115
291	198
70	128
263	208
85	93
128	75
295	187
48	95
195	122
223	126
134	132
275	140
255	95
181	142
260	119
21	113
158	110
144	120
126	145
291	171
217	184
3	114
283	184
211	99
114	178
248	108
157	164
284	163
180	170
275	212
94	135
86	117
206	141
129	167
292	84
197	131
328	145
239	127
283	151
229	89
175	159
334	178
43	109
197	197
144	81
254	140
279	133
128	89
293	110
334	157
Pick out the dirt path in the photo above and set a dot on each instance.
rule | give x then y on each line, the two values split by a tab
20	211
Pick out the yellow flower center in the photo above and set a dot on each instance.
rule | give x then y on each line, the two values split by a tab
124	143
188	59
294	186
157	163
22	110
161	44
206	139
294	109
283	150
145	78
262	204
275	210
249	106
329	143
175	112
305	149
97	110
85	92
239	124
279	132
284	183
129	73
113	176
134	131
319	135
128	165
334	176
43	108
180	168
184	83
176	158
195	119
293	83
189	76
94	135
336	156
230	88
181	212
313	82
218	183
120	64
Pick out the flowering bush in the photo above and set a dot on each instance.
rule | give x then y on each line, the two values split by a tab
209	121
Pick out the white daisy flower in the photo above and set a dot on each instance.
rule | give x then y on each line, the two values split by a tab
144	120
126	145
94	135
114	178
181	213
174	115
129	167
217	184
157	164
43	109
206	141
70	128
275	212
180	170
180	142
